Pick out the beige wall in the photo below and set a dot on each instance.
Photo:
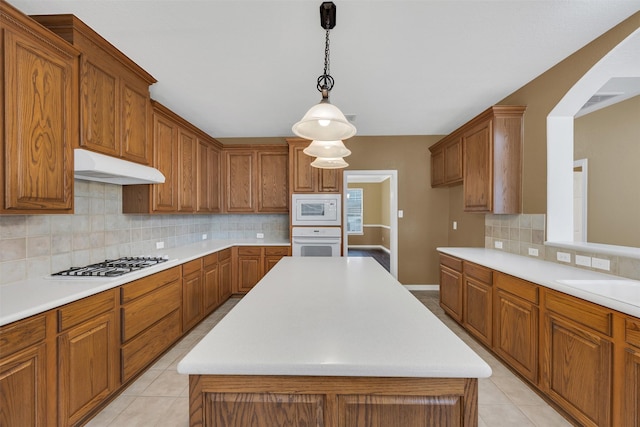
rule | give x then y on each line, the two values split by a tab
610	139
540	96
423	226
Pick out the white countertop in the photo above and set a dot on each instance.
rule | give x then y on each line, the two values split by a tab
332	317
20	300
610	291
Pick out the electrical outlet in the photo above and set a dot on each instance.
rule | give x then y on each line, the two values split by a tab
497	244
601	264
259	235
204	236
563	256
159	245
455	225
533	252
585	261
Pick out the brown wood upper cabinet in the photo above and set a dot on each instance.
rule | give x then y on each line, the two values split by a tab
446	161
492	161
256	179
304	178
38	117
115	113
189	161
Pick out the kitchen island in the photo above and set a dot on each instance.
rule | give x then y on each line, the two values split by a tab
332	342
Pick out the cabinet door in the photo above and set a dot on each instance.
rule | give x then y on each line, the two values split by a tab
329	180
87	372
453	161
273	178
187	168
272	255
249	265
478	168
240	182
303	175
631	393
192	294
23	387
98	111
478	310
40	119
225	279
451	292
25	374
437	167
165	136
135	110
577	370
516	333
211	280
208	178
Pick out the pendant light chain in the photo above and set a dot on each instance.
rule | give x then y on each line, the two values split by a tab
325	81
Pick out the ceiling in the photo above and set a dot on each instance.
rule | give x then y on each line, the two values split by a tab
248	68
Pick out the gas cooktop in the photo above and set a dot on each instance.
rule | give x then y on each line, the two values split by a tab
114	267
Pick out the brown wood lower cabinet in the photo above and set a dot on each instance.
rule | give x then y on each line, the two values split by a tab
515	325
87	356
477	296
24	374
251	263
210	283
451	286
583	357
192	294
226	278
577	358
235	401
151	319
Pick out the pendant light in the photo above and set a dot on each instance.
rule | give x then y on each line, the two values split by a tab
324	123
329	163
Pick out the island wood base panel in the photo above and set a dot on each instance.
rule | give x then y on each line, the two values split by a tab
266	401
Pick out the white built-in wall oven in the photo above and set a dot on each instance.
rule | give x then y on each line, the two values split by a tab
316	220
316	241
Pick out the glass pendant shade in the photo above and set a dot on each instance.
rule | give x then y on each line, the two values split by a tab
324	122
329	163
331	149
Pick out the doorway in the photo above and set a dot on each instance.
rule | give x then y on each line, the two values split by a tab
388	226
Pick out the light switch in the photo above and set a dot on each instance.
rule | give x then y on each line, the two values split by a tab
400	213
455	225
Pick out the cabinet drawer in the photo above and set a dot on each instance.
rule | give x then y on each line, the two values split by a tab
224	254
143	286
276	250
451	262
85	309
478	272
210	259
146	347
632	331
521	288
590	315
138	315
191	267
22	334
249	250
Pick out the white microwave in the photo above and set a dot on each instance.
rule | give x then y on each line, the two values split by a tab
316	209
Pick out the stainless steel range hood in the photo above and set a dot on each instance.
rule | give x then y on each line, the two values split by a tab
92	166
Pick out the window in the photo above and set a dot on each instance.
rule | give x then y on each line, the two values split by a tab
354	211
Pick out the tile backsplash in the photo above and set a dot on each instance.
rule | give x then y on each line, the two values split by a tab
38	245
520	233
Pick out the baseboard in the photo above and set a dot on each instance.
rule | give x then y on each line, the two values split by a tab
422	287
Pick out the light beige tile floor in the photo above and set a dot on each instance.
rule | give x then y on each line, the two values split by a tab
159	397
